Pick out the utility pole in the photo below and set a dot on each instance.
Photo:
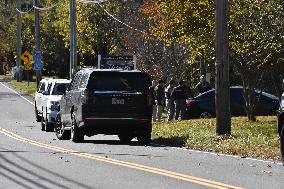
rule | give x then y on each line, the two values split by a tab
222	86
19	42
73	39
37	37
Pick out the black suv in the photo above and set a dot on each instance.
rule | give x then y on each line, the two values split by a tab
106	102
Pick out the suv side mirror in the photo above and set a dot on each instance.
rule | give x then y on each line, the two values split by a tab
61	89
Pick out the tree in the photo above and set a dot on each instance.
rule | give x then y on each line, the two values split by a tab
254	42
256	28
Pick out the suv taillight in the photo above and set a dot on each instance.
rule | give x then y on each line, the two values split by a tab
86	96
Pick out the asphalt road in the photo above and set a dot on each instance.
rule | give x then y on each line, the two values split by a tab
31	158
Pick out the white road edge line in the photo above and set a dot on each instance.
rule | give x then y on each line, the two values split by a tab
228	155
190	150
18	94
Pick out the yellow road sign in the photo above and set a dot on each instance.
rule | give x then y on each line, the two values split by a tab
26	56
5	68
27	66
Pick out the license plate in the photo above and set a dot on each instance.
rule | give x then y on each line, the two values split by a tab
117	101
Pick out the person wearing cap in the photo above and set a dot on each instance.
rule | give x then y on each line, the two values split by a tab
203	85
179	96
169	101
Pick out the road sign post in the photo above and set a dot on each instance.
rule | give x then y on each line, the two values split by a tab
38	66
27	58
28	77
37	60
19	42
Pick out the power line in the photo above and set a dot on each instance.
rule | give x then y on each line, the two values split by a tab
89	1
112	16
123	23
24	12
40	8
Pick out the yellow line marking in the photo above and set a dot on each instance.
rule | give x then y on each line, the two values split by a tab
144	168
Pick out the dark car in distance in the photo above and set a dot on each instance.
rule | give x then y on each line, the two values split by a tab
101	101
203	105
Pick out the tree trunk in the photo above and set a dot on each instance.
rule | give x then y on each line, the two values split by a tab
249	95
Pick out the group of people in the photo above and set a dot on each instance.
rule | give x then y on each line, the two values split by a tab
173	98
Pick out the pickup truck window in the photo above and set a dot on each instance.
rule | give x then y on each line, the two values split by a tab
42	87
49	87
55	91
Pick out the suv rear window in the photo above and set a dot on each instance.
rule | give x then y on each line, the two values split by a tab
118	81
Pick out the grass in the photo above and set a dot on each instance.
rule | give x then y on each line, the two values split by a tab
24	86
28	88
249	139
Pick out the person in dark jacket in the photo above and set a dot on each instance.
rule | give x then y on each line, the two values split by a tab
160	99
203	85
179	96
153	95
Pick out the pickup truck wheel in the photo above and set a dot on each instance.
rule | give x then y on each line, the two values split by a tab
48	126
282	144
61	134
144	134
38	118
42	123
125	137
76	133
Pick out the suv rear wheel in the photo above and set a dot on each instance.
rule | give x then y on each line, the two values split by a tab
125	137
76	133
144	134
38	118
48	126
61	134
42	123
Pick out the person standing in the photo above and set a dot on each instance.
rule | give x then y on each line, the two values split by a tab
153	94
170	102
179	96
160	99
203	85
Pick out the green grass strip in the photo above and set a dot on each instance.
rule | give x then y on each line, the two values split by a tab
249	139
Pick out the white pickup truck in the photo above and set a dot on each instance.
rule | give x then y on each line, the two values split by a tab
47	100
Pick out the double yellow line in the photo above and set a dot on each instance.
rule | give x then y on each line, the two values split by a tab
136	166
